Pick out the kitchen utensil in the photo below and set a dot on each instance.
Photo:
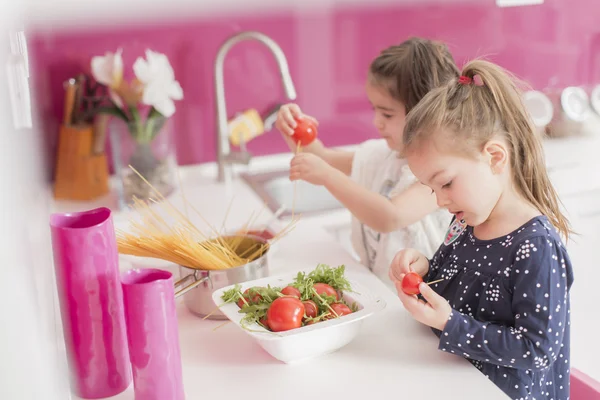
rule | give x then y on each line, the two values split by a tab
197	295
70	93
153	334
91	302
312	340
100	129
77	112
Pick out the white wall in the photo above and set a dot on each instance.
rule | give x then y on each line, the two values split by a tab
29	358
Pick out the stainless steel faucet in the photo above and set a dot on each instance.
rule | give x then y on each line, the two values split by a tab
225	156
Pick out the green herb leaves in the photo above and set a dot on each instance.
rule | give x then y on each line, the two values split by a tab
323	286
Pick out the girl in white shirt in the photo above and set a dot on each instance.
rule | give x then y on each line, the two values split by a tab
390	209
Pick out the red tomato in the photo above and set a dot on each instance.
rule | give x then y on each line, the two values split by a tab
411	282
291	291
264	322
305	132
251	300
323	288
310	308
341	309
285	313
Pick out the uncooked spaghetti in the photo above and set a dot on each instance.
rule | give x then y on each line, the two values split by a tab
170	235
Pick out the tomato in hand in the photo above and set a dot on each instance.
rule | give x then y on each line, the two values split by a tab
411	282
290	291
310	309
325	289
250	300
341	309
285	313
305	132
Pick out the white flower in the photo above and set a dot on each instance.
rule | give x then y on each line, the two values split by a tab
158	78
108	70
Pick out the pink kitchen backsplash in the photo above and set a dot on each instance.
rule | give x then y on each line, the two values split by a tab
328	51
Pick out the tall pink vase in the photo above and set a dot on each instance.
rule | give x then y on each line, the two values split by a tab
91	302
153	334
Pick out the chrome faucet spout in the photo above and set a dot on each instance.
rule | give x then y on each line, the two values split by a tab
224	157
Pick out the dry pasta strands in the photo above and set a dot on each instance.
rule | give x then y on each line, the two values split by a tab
162	231
298	149
221	325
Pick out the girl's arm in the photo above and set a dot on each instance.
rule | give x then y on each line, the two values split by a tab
378	212
542	278
338	159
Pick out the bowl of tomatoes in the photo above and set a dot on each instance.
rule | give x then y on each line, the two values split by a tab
302	315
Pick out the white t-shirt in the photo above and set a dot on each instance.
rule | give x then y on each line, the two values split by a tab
380	169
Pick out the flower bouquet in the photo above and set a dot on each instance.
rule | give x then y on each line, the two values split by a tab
141	134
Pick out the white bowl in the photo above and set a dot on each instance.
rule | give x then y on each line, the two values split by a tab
312	340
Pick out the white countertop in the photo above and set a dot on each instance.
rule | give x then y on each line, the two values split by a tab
393	354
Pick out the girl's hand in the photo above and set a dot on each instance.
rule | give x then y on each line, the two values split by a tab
310	168
408	260
434	313
286	119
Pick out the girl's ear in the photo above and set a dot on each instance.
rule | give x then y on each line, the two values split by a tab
496	154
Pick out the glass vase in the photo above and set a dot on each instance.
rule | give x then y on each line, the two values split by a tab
143	149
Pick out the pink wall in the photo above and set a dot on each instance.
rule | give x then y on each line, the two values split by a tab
328	53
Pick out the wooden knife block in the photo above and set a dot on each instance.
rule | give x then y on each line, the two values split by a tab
79	174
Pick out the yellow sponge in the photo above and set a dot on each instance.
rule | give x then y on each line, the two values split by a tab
245	127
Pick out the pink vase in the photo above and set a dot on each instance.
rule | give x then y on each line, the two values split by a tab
153	334
91	302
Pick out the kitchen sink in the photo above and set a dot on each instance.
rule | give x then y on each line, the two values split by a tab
276	190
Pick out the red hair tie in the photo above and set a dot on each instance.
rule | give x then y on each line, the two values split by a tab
465	80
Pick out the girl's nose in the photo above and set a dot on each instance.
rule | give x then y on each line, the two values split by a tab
378	123
442	201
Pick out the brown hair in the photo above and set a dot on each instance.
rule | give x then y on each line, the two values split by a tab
411	69
472	115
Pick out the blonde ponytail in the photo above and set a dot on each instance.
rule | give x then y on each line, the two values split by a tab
475	113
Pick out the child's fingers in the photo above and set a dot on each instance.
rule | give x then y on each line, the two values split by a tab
431	296
287	130
287	120
401	264
283	127
295	173
312	119
295	111
410	302
298	159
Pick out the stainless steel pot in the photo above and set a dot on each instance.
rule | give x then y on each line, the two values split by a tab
197	294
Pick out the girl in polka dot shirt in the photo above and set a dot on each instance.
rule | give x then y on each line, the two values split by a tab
503	299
